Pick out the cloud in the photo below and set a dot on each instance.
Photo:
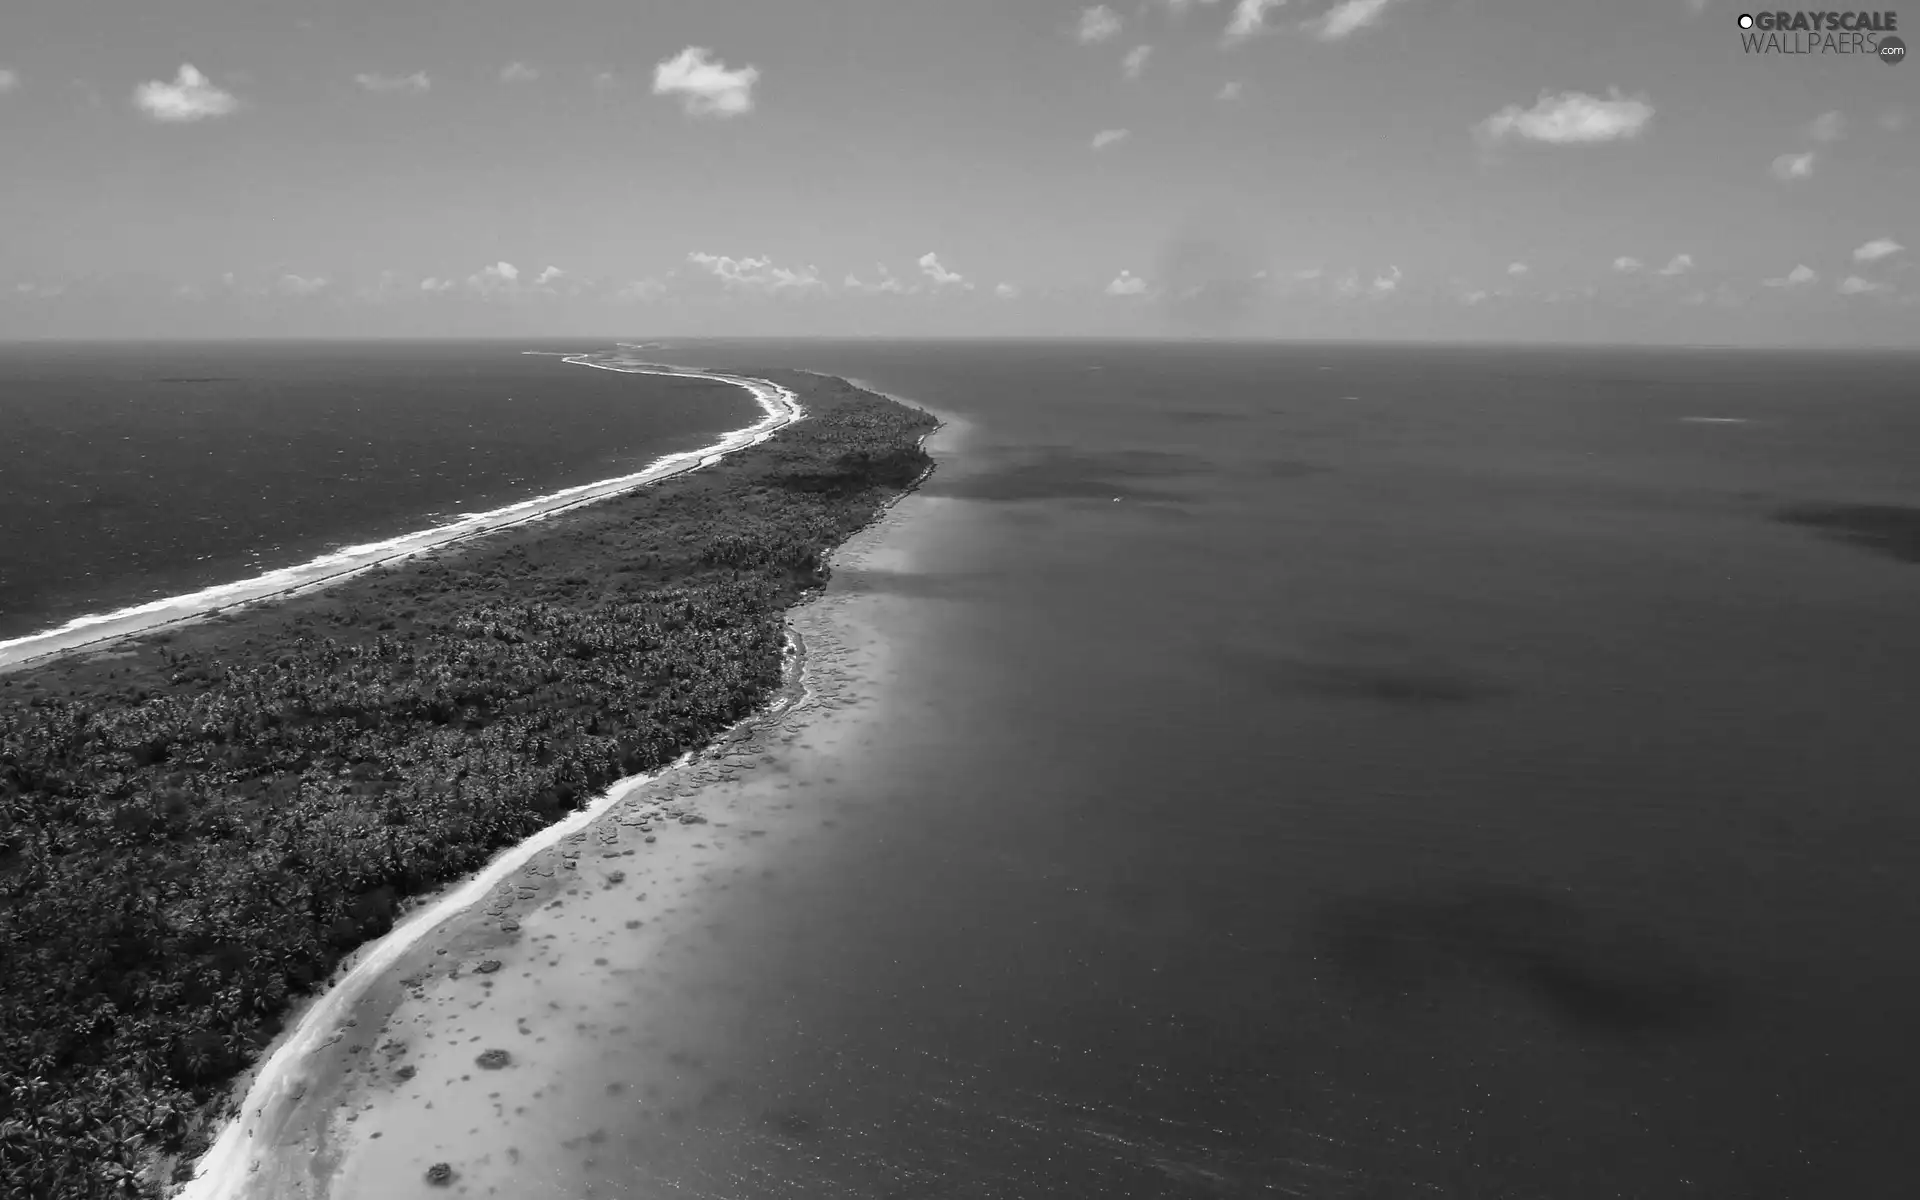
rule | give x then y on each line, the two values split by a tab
296	285
1110	137
518	72
1126	283
1006	291
501	276
1347	18
1798	277
1097	24
1136	61
1178	8
1517	269
605	81
1385	284
705	86
547	276
1229	90
1853	285
1679	264
1793	166
1876	250
190	97
931	267
1308	274
9	79
1473	297
886	285
416	82
1569	119
1626	264
1696	7
1827	127
1893	120
1249	20
757	275
430	284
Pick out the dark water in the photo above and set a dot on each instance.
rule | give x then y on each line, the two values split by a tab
130	472
1445	773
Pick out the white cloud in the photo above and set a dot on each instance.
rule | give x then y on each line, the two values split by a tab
1893	120
1679	264
1097	24
548	276
1308	274
886	284
931	267
1110	137
501	276
705	86
1229	90
1006	291
1249	20
416	82
759	275
1853	285
518	72
1517	269
1347	18
1798	277
1473	297
1126	283
1136	61
1178	8
1793	166
296	285
1827	127
430	284
1385	284
1696	7
190	97
1626	264
605	81
9	79
1877	249
1569	119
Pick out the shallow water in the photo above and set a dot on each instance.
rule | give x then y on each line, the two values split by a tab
1440	773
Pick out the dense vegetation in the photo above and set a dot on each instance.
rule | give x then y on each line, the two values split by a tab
194	833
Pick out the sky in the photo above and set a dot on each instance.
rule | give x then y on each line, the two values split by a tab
1486	170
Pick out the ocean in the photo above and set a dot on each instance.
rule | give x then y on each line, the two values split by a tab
1340	771
130	472
1300	770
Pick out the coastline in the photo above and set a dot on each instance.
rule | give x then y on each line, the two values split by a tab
476	945
779	406
666	609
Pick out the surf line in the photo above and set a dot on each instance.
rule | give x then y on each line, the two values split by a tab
779	408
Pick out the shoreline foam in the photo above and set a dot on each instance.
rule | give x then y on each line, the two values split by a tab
780	408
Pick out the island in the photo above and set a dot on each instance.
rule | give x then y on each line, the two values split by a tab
198	825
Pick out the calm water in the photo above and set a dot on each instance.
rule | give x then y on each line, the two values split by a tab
130	472
1438	774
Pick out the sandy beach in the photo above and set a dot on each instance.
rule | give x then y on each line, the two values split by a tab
779	406
472	1035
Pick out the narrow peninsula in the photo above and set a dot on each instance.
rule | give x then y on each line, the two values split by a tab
198	826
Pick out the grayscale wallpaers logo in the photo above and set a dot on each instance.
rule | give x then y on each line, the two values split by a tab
1870	34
